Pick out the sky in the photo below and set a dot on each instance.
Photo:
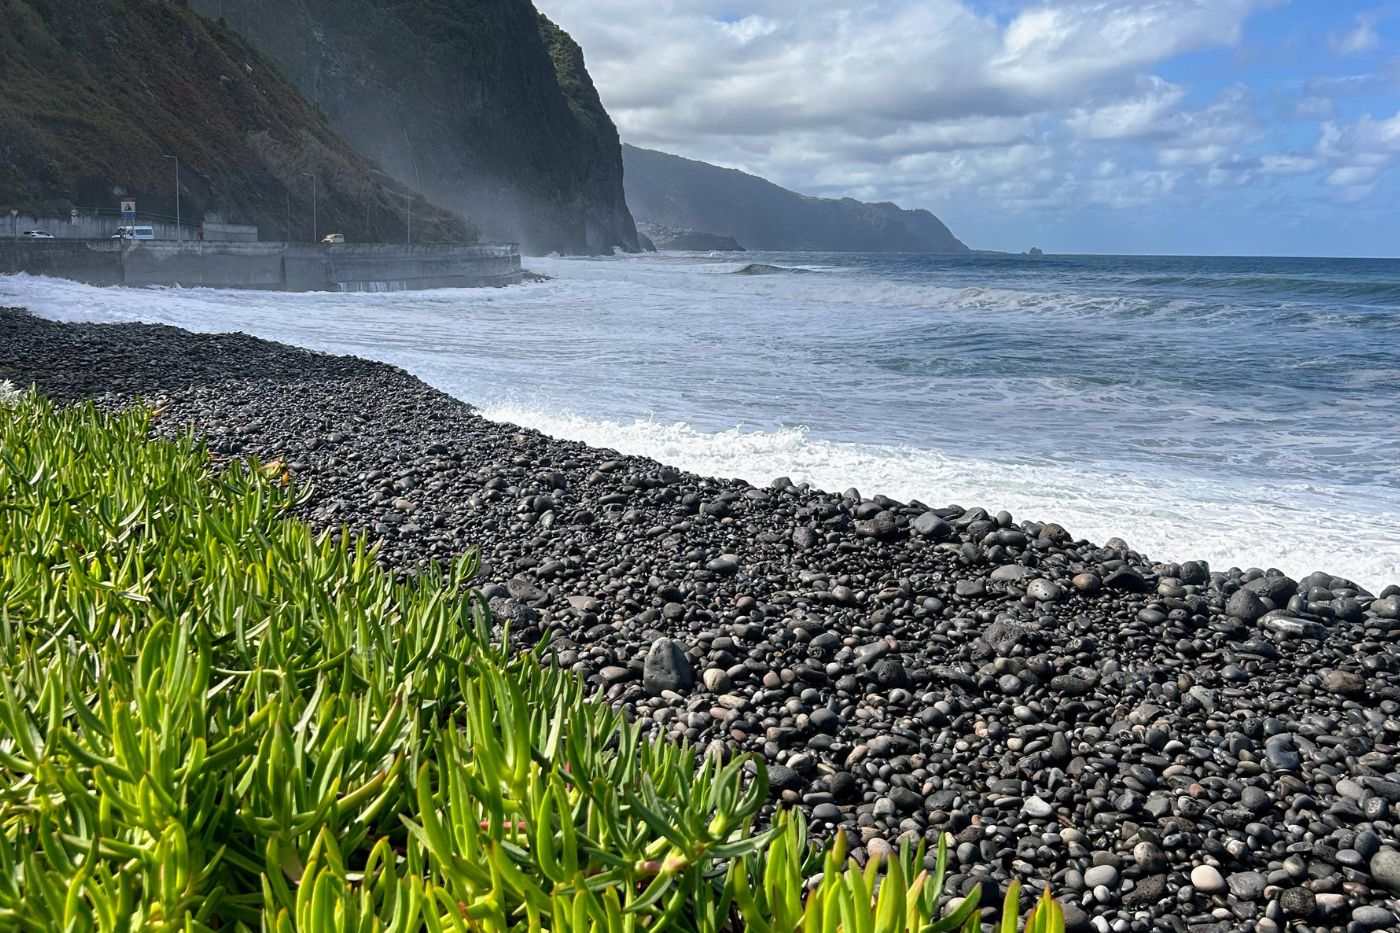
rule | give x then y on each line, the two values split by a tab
1236	127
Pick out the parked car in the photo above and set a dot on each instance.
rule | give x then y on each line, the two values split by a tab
36	235
330	239
138	232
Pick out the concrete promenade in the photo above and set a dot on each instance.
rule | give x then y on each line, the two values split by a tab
272	266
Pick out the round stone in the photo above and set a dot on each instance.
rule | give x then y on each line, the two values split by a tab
1207	879
1105	875
1385	869
1371	917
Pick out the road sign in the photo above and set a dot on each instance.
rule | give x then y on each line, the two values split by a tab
128	207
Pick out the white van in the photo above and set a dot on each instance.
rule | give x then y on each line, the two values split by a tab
138	232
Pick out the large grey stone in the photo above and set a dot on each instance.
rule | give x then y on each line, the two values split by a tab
931	525
1245	605
667	668
1385	869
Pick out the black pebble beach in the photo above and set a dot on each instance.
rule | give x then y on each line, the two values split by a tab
1172	746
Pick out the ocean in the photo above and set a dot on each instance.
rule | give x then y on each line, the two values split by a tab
1240	411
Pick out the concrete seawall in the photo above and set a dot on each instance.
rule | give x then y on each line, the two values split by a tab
272	266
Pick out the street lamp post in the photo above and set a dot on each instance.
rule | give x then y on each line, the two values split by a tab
179	230
315	229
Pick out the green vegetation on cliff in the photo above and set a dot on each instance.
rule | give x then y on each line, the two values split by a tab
93	94
484	105
669	191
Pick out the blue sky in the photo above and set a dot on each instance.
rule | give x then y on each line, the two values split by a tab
1135	126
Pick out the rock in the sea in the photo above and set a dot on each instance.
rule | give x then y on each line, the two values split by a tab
667	667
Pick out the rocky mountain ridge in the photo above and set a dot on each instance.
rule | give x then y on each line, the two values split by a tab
484	105
670	191
96	94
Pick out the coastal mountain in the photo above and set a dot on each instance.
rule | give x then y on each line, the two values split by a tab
484	105
673	192
95	93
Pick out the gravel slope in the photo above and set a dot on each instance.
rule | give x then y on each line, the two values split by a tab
1173	746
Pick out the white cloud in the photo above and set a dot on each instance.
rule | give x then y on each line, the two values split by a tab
1145	114
750	28
1074	44
1197	137
1362	37
1023	105
1315	107
1358	154
1288	164
799	90
1132	189
1350	176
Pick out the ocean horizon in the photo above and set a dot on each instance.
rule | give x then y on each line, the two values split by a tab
1237	410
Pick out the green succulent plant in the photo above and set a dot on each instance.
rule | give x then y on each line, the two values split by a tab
213	718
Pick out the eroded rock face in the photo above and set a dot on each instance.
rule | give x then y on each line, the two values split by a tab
244	133
488	109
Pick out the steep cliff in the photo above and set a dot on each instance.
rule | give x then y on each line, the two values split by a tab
670	191
484	105
94	94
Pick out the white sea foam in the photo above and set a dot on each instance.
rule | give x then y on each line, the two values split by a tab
552	357
1242	526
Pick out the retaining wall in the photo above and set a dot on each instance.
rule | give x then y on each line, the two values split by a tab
89	226
271	266
94	262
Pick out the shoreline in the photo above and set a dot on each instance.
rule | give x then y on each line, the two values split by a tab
1070	712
